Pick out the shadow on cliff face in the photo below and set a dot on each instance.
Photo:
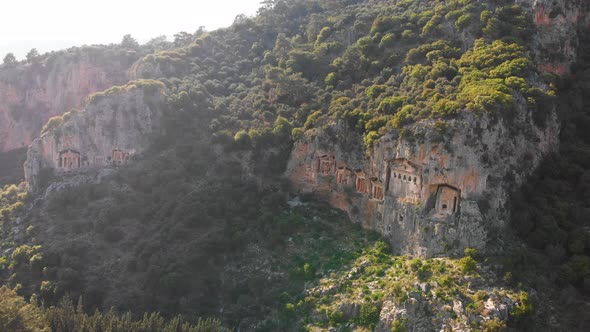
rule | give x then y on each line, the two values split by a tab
550	212
11	166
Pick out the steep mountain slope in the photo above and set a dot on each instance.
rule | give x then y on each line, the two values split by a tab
418	119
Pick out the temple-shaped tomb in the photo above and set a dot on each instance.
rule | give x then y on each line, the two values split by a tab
376	189
120	157
404	180
69	160
326	165
344	176
361	182
447	200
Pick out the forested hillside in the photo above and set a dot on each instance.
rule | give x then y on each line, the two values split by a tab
199	215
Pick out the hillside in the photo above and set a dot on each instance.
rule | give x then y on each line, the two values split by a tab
326	165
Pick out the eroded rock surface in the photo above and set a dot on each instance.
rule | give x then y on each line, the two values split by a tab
112	128
428	193
30	94
557	24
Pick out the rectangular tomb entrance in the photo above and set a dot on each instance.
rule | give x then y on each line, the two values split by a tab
361	182
447	200
377	189
120	157
404	180
69	160
344	176
326	165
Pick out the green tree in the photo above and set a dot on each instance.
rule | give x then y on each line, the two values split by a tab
369	315
18	315
129	42
182	38
32	56
10	59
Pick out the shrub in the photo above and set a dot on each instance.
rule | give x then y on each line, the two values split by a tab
369	315
21	255
524	307
331	79
403	117
289	309
468	264
242	138
408	34
481	295
385	23
399	325
516	83
445	108
494	325
376	123
297	133
312	120
370	138
387	41
470	252
391	105
52	124
323	35
375	91
486	95
336	317
463	21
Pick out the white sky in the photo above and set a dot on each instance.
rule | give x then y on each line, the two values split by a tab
56	24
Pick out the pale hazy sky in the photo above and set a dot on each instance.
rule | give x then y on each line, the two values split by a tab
57	24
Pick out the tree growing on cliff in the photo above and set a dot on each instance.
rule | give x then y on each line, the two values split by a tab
33	56
129	42
182	38
10	59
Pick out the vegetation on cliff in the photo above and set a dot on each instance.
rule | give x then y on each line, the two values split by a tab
16	314
379	66
391	292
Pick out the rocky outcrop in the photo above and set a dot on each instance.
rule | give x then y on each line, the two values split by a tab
432	191
558	25
32	93
114	126
417	313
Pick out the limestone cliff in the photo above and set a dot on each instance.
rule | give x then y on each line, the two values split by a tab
31	93
429	192
433	189
557	24
114	126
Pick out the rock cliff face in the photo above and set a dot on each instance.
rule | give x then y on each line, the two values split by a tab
437	190
114	126
430	192
557	24
30	94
